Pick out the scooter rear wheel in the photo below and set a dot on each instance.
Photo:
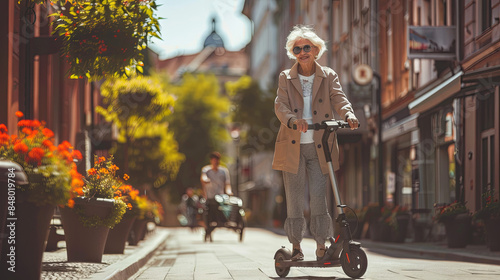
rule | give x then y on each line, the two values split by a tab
355	262
281	256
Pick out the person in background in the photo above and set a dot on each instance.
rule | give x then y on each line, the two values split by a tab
307	93
214	180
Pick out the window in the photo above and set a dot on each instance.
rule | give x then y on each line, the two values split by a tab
486	18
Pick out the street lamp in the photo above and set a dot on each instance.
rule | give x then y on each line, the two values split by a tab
235	134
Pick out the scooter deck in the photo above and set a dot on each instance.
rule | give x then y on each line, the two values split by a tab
289	263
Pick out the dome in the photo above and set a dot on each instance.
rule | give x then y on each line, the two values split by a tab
213	39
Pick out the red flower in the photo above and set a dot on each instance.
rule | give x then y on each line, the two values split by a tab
4	139
36	155
19	114
76	154
48	133
20	148
27	131
3	128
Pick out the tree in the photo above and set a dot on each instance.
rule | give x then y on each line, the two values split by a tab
138	107
199	124
253	109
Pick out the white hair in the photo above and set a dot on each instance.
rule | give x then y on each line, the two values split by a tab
304	32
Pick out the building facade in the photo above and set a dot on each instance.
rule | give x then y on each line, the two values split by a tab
436	71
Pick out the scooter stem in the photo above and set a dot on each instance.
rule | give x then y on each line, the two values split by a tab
328	158
335	188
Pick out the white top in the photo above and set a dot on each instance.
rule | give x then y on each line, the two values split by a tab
217	180
307	83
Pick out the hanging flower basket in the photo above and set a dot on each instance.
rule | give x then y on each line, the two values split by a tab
106	38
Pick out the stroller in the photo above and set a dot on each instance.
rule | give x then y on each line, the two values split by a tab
226	211
191	211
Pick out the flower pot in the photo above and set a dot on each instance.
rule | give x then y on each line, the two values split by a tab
492	228
86	244
458	230
398	234
30	231
138	231
117	236
380	231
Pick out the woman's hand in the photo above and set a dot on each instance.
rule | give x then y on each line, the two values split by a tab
353	122
301	125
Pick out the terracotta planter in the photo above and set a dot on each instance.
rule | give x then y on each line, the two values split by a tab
458	230
117	236
86	244
138	231
492	227
31	231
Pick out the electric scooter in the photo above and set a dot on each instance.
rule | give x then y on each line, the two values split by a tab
343	251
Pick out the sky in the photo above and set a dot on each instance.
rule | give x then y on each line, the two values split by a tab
187	23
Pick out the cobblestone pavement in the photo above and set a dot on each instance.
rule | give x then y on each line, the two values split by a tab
56	267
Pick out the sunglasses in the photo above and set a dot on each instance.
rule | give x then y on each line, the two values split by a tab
306	48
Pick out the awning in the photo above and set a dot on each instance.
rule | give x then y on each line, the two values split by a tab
437	94
484	76
401	127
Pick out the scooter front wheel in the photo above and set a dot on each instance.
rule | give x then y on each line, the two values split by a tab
355	262
282	255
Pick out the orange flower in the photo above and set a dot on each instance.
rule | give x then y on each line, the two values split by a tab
35	123
102	159
133	194
4	139
129	206
48	133
64	146
71	203
77	183
92	171
27	131
126	177
36	155
48	144
20	148
76	154
19	114
3	128
114	167
79	191
103	171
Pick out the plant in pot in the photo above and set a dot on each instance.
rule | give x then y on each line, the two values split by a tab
92	211
149	211
490	215
106	38
457	221
52	173
398	221
118	235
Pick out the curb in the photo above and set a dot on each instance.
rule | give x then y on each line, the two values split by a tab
443	254
127	267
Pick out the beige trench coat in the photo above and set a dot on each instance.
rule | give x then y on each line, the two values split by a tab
327	95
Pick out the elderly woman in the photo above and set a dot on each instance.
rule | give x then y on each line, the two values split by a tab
307	93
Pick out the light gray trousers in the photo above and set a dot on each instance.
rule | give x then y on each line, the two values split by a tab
295	184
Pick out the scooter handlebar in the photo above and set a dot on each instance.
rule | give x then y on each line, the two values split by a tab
336	124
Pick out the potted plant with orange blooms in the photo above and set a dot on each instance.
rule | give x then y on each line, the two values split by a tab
94	209
149	211
52	173
117	236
